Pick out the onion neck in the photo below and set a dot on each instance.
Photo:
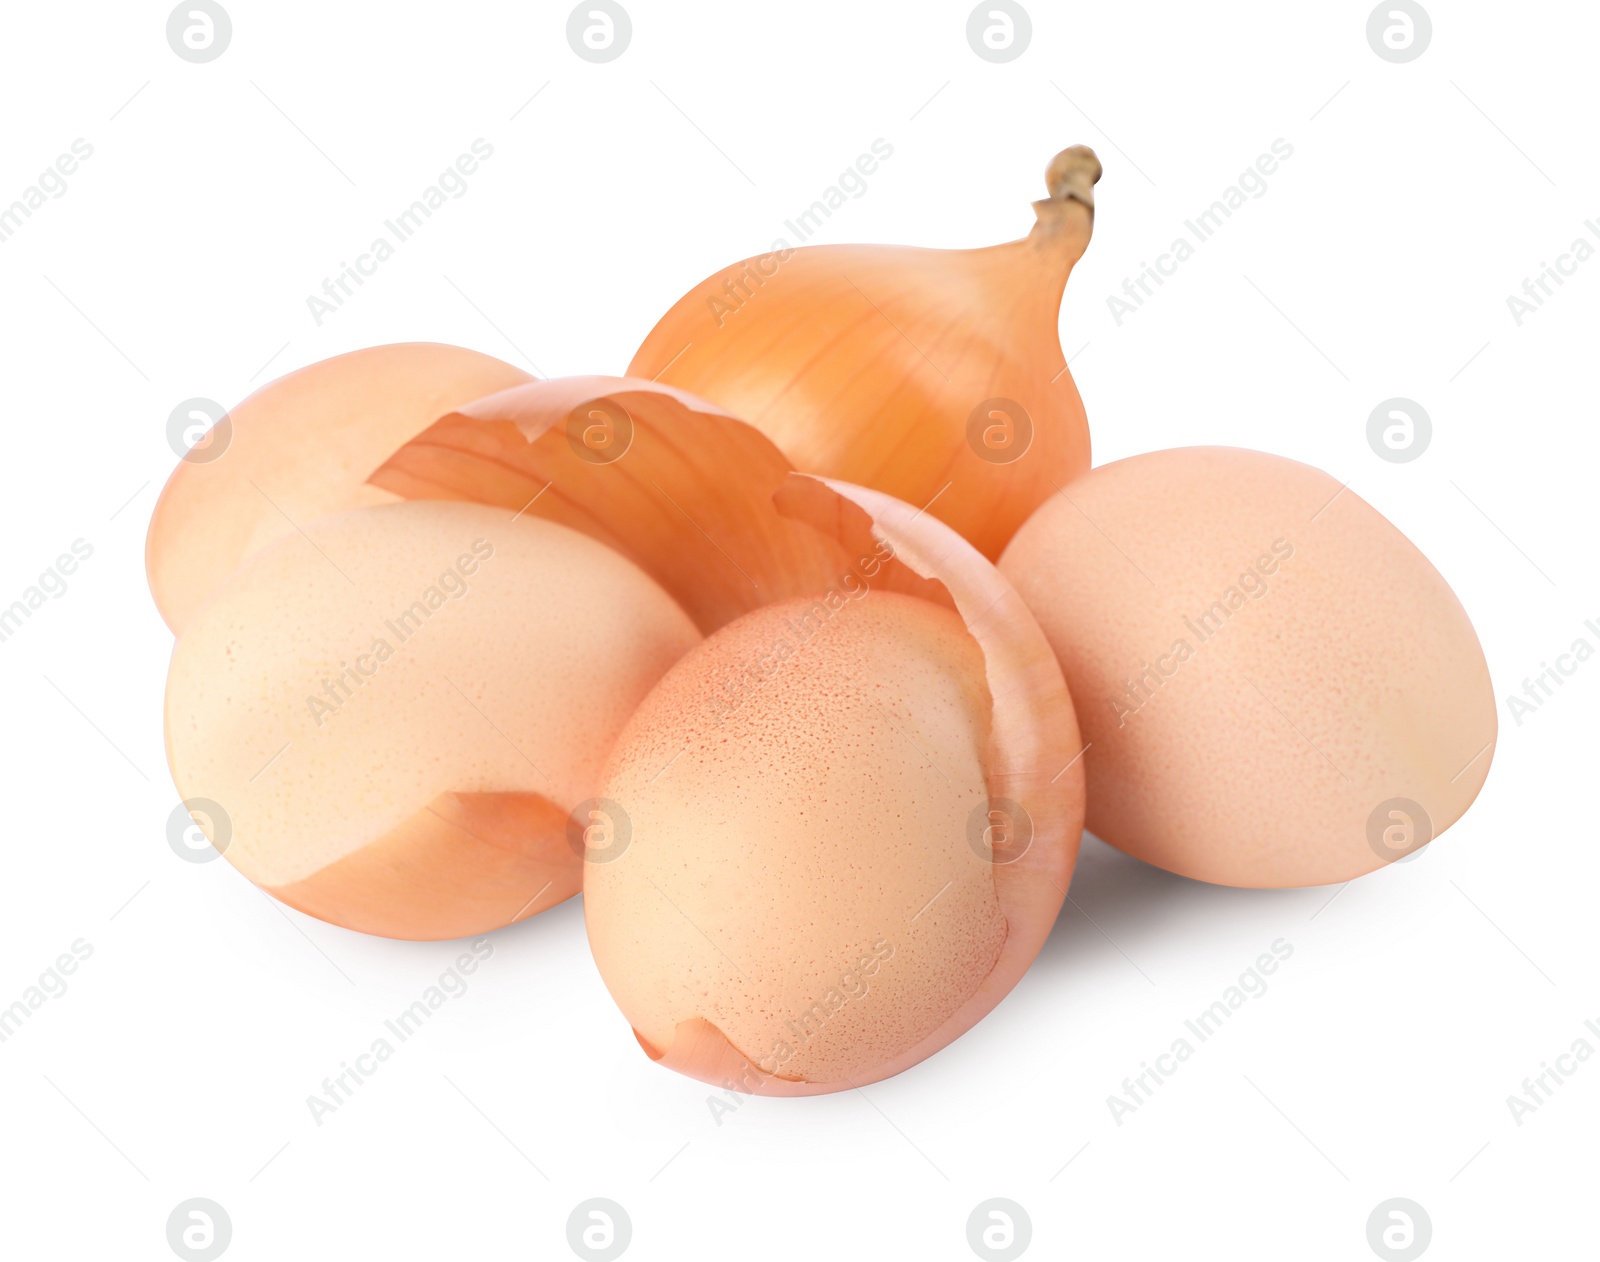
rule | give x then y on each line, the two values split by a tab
1065	219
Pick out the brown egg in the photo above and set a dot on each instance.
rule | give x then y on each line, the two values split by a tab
397	710
1276	686
300	448
798	871
909	770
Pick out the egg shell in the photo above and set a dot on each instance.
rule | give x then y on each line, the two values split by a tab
397	711
1277	688
299	448
712	510
799	872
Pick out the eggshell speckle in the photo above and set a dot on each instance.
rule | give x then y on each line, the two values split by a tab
1276	686
799	873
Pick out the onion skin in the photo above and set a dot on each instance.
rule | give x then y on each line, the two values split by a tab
1264	665
871	364
301	447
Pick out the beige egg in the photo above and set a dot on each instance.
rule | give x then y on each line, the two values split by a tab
1277	688
299	448
397	710
790	853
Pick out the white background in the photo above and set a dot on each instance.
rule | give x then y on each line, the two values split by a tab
1378	264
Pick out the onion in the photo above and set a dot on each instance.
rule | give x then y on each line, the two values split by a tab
934	375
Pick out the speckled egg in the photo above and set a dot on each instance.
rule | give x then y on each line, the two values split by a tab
791	864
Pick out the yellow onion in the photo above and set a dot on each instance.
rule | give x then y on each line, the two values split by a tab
934	375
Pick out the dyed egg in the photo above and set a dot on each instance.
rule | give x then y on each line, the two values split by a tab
1276	686
393	715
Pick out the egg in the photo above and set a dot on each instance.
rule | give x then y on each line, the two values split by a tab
394	712
1275	686
908	764
300	448
798	871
